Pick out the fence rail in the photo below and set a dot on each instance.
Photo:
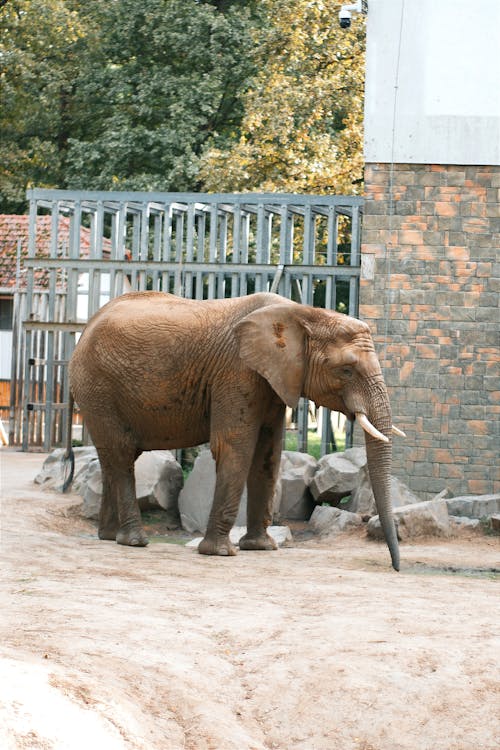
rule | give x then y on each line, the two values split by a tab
88	247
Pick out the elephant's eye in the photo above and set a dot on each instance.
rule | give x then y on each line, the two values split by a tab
347	372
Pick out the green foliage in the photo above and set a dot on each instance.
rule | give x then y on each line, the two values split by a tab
122	94
179	95
172	71
302	128
313	442
39	40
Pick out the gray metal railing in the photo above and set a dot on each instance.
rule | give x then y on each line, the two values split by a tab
87	247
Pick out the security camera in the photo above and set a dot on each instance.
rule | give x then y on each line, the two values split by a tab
344	18
361	6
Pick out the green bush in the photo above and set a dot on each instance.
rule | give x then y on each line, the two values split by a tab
313	442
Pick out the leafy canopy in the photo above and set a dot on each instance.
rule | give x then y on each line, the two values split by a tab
179	95
302	127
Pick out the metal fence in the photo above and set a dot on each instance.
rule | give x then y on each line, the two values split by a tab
203	246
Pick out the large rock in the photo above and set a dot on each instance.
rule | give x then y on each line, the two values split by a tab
195	499
81	471
362	499
461	523
474	506
330	521
297	471
52	474
337	475
429	518
495	523
158	481
88	484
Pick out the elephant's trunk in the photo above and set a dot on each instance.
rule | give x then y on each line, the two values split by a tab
379	466
379	457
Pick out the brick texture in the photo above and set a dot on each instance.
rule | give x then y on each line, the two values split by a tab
433	307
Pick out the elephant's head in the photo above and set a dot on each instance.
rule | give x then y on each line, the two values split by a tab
329	358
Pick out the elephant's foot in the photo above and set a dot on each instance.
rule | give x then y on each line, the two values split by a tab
220	545
107	534
132	536
257	540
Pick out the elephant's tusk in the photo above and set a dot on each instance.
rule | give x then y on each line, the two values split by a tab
369	428
397	431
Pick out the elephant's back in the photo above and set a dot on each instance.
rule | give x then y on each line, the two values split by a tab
155	327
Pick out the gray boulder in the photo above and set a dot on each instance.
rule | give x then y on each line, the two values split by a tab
81	471
474	506
195	499
88	484
337	475
429	518
495	523
401	495
362	499
51	475
297	471
461	523
158	481
330	521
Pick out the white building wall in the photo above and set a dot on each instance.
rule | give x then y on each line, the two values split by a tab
433	82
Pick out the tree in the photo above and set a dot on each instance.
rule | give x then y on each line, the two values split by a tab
179	95
302	128
172	72
122	94
38	66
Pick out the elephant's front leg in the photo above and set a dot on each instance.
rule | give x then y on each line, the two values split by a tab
233	460
262	482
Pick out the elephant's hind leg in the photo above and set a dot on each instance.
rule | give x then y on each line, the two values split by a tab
108	513
130	531
120	517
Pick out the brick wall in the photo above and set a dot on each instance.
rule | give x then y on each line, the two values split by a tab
430	291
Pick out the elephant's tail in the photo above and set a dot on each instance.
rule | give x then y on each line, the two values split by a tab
69	455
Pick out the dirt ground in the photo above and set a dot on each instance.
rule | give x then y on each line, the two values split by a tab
318	646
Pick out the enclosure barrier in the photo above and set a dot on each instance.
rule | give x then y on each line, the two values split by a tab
88	247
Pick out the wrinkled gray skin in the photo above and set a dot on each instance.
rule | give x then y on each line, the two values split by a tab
155	371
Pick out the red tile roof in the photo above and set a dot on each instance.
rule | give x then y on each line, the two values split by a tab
15	227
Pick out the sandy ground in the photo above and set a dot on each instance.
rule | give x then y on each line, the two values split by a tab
318	646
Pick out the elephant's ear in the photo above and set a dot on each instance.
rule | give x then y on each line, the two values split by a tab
272	342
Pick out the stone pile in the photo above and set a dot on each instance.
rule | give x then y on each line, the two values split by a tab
443	517
333	495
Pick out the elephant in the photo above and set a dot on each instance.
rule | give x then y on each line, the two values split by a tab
156	371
